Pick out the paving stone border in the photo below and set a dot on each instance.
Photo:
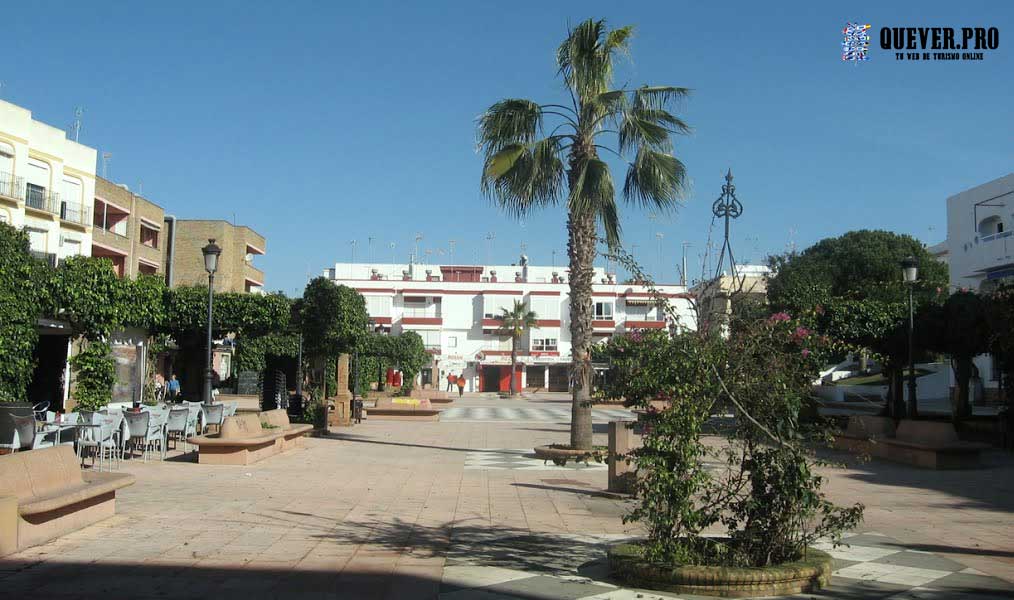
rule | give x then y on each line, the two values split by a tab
561	456
811	573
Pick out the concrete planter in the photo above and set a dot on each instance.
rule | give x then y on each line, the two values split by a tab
561	455
627	563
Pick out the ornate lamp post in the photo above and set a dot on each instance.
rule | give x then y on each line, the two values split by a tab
211	253
910	273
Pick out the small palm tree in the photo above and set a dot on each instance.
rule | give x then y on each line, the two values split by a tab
513	323
528	159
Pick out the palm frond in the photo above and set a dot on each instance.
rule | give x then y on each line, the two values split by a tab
660	97
609	217
522	177
593	188
655	180
508	122
585	57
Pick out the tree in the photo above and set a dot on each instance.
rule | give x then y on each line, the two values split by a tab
513	324
525	169
960	328
850	288
333	320
19	312
412	356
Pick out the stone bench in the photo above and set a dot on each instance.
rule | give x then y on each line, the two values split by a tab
931	444
864	434
249	438
44	494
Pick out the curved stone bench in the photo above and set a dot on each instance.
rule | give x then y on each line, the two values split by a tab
933	445
864	434
44	494
249	438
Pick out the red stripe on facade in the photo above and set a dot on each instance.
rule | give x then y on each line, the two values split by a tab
422	321
609	324
613	294
548	322
381	320
644	324
486	323
543	293
649	295
377	290
422	291
503	292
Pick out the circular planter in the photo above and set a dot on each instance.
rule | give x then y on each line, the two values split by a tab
561	455
627	563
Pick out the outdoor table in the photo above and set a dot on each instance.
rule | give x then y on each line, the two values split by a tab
60	426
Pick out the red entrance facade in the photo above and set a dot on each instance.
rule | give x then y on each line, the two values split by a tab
497	378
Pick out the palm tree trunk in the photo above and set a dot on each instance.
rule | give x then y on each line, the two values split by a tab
514	360
581	250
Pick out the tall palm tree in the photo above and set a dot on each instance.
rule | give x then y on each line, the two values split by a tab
531	149
513	323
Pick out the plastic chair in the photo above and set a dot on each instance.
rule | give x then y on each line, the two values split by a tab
25	434
214	414
104	442
40	410
142	428
179	426
230	408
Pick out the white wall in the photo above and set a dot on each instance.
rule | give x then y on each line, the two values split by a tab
967	252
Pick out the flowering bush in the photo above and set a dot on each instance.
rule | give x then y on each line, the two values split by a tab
760	483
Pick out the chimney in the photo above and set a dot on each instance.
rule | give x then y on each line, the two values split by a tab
517	277
405	275
492	275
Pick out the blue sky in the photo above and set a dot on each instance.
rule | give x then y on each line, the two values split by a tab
320	123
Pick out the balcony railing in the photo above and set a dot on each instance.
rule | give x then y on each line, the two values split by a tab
42	199
12	187
79	214
49	257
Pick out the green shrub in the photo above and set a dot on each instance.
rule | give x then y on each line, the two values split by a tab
19	312
95	371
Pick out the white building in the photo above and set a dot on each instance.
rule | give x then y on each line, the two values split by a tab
453	308
46	185
980	249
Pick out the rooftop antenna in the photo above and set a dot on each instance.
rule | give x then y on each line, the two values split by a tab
418	238
661	264
353	244
391	245
683	275
450	244
106	157
791	245
428	252
371	248
727	207
489	244
554	259
75	127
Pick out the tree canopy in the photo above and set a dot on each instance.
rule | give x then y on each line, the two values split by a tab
333	318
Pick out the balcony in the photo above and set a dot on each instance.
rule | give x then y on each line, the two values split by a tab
49	258
106	237
41	199
11	187
994	251
422	321
78	214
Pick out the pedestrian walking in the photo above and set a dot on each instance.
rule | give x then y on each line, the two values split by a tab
461	385
452	380
357	409
173	387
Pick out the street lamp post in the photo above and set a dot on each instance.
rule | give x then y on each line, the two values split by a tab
910	272
211	253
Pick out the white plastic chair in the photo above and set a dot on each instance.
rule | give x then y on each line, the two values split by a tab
25	434
180	424
144	429
214	414
104	442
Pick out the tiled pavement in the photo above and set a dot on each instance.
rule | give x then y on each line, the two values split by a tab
528	414
518	459
388	509
872	566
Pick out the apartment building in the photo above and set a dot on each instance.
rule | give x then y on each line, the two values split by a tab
454	309
185	262
715	296
980	249
127	229
46	185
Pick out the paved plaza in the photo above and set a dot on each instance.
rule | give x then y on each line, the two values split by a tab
459	509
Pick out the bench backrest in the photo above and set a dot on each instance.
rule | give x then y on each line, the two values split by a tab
870	426
38	472
278	417
927	432
241	426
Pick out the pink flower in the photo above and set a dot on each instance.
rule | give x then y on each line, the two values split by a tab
802	332
779	316
806	352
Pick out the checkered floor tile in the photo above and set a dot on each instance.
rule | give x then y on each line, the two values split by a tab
522	459
874	567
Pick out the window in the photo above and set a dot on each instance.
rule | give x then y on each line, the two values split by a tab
452	341
69	247
378	306
545	307
431	339
149	236
603	311
145	269
544	345
6	168
35	196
